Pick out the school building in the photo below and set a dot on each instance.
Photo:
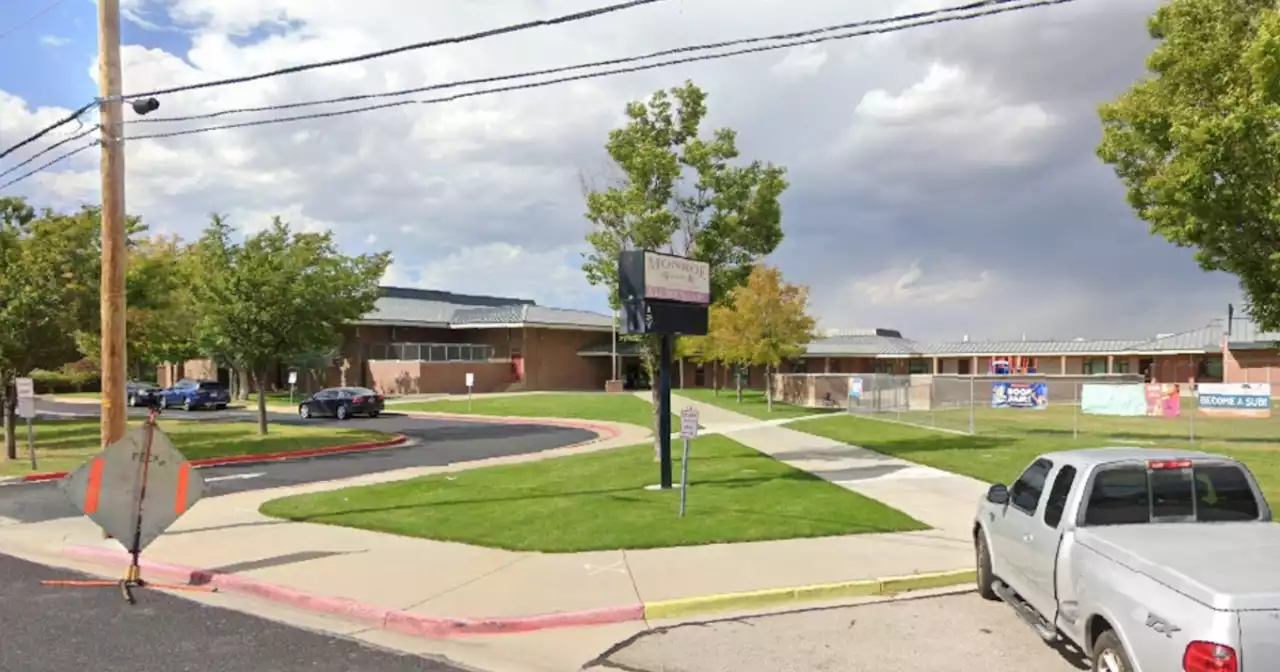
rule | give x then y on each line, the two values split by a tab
419	341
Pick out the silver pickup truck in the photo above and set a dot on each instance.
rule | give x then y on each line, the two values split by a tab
1147	560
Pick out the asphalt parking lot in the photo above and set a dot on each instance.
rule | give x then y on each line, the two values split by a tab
951	633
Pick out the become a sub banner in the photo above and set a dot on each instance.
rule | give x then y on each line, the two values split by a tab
1020	395
1164	400
1235	400
1127	400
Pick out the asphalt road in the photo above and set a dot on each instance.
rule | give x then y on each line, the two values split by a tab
47	629
435	443
953	633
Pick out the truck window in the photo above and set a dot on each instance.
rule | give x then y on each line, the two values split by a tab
1057	502
1026	491
1131	494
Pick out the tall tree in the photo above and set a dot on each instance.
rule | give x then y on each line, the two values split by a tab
48	276
682	193
767	323
276	296
1196	143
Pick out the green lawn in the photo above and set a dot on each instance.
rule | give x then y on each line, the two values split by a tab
1001	457
597	501
63	445
753	403
619	407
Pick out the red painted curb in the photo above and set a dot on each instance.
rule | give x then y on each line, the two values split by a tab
395	620
261	457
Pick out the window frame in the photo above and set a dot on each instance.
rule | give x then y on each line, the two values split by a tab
1057	479
1265	513
1013	498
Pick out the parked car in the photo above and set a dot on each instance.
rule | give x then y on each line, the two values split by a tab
342	403
141	394
1148	560
192	394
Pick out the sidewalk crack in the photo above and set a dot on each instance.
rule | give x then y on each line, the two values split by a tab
631	576
468	582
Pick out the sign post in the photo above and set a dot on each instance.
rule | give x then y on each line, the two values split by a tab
471	382
668	296
688	432
293	383
26	389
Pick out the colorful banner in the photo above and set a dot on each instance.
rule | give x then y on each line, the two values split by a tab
1128	399
1235	400
1020	395
1164	400
855	387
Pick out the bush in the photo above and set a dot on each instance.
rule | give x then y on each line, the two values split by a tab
74	377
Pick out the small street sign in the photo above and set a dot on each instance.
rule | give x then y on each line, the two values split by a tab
471	380
689	423
26	390
110	488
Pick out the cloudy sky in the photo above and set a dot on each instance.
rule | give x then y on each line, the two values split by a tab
943	178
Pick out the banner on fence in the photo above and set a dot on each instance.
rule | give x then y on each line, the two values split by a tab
1164	400
855	387
1130	399
1020	395
1235	400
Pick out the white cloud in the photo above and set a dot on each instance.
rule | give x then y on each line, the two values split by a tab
801	62
54	41
909	286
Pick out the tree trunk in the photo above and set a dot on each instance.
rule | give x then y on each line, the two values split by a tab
768	386
680	363
738	375
243	376
258	377
715	377
10	421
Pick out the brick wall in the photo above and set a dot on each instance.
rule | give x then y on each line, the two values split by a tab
1251	366
399	378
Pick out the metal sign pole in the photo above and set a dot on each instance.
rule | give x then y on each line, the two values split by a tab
1075	411
972	403
31	442
684	477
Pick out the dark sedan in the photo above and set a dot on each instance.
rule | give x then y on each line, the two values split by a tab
342	403
142	394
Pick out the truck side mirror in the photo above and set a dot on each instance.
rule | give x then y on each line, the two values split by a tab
998	494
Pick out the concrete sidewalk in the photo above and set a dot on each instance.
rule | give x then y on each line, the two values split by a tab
940	499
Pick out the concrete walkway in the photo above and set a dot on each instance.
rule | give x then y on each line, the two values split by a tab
940	499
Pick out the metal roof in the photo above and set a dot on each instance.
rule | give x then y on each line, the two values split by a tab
403	306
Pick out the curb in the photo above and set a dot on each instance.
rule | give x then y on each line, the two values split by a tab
394	620
254	459
603	432
757	599
418	625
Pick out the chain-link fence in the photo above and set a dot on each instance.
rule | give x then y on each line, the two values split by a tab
1119	408
430	352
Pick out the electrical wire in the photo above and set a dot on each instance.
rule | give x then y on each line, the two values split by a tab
58	159
457	39
595	75
979	4
65	141
27	21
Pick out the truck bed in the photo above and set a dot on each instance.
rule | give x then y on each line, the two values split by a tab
1225	566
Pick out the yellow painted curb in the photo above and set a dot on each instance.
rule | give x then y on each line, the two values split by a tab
758	599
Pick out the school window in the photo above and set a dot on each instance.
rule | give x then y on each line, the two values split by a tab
920	366
963	367
884	366
1121	366
1095	366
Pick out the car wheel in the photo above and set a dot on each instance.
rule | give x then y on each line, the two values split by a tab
342	413
133	401
983	557
164	402
220	407
303	411
186	405
374	414
1109	654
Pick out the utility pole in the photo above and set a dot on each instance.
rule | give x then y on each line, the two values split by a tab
113	225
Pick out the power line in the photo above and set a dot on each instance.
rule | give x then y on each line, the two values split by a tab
50	148
979	4
595	75
457	39
58	159
27	21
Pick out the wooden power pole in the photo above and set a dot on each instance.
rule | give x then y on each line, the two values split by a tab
114	411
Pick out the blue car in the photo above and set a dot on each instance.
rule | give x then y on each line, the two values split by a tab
192	394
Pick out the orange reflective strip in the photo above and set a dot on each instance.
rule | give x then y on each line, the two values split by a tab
180	497
93	488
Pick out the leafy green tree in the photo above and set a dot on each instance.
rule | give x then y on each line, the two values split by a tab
767	323
1197	144
679	192
277	296
48	279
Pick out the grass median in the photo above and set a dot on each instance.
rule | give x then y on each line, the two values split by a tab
618	407
753	404
63	445
1000	458
598	501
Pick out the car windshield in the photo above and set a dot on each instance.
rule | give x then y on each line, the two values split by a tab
1207	493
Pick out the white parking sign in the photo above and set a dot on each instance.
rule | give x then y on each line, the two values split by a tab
689	423
26	389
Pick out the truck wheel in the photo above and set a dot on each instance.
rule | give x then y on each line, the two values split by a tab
1109	655
985	579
